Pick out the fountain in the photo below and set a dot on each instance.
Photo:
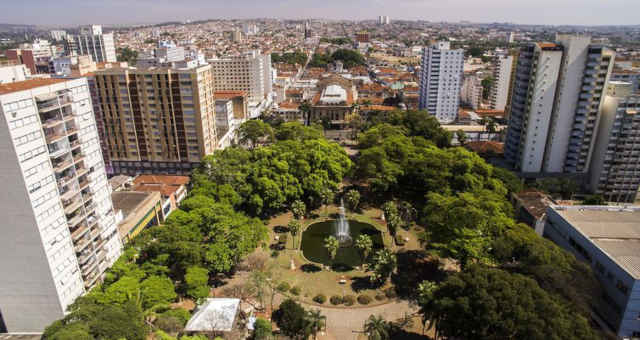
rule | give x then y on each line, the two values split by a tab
343	233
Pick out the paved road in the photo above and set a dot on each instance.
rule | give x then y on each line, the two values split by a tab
346	324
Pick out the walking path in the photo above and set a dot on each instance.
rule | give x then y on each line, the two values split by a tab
346	324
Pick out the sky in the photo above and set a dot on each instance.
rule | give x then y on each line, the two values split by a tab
551	12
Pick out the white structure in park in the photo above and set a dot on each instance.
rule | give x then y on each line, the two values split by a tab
59	233
441	80
215	315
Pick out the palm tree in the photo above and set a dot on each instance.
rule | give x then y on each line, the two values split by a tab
294	228
305	109
315	322
332	244
364	244
327	197
376	328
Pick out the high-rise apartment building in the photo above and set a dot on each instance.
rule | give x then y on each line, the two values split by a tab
581	83
384	20
615	165
532	101
60	233
502	75
156	120
440	81
58	35
91	41
554	108
251	73
471	93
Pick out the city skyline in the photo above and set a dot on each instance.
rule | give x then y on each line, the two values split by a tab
560	12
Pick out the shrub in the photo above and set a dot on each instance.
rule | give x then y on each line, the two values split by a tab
282	239
336	300
349	300
364	299
169	324
179	313
283	287
390	293
275	254
380	297
262	329
320	298
295	290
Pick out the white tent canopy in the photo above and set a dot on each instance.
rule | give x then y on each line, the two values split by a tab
216	314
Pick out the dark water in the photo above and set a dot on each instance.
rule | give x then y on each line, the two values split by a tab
313	243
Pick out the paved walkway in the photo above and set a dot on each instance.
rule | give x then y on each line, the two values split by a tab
346	324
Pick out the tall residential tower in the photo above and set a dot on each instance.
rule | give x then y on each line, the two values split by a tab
59	233
440	81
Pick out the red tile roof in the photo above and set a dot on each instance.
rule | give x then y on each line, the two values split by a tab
29	84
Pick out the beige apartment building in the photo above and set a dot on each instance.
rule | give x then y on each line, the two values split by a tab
155	120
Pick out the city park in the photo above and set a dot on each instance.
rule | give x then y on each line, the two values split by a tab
398	236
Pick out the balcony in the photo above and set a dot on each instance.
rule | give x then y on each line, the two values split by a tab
75	144
69	192
53	136
89	266
79	232
84	182
71	205
82	244
73	221
61	166
78	156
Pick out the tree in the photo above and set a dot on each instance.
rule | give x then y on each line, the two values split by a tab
487	84
128	55
364	244
352	198
157	290
197	282
253	132
305	109
376	328
292	319
489	303
384	263
74	331
326	196
294	228
315	322
462	137
298	208
332	244
262	329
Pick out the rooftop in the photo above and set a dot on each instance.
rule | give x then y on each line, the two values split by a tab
128	201
29	84
165	184
216	314
615	230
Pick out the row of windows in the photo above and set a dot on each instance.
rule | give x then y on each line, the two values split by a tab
44	166
28	138
18	123
20	104
44	198
35	186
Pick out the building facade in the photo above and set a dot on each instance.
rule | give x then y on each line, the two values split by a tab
156	120
606	238
91	41
502	75
471	93
13	73
440	81
250	73
61	233
616	156
534	89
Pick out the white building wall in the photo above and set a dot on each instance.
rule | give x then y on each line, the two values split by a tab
540	110
570	81
441	80
10	74
502	82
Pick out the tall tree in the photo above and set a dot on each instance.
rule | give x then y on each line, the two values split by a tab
364	244
352	198
291	318
253	132
294	227
315	322
332	244
384	263
197	282
298	208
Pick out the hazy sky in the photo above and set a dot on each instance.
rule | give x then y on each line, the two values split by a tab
74	12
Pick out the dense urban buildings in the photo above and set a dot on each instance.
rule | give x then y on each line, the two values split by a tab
441	80
60	232
156	120
607	239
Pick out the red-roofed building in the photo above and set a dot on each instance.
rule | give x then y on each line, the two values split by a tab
239	99
173	189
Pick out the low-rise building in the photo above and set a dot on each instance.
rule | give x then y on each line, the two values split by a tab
137	210
173	189
608	239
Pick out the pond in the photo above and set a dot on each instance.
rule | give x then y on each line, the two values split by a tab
348	256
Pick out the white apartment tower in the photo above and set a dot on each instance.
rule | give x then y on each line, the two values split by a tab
440	81
532	102
572	74
250	72
60	233
501	89
471	93
91	41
